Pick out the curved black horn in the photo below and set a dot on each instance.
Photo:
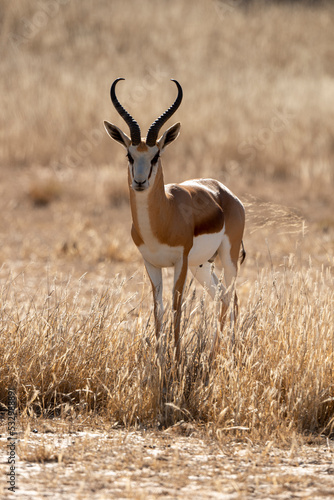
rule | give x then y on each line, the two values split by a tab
154	129
133	125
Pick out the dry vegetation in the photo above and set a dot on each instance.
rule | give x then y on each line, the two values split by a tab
77	339
278	376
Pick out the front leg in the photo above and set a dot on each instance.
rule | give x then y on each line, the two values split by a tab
180	275
155	276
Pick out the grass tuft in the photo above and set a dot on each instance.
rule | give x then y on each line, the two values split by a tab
275	380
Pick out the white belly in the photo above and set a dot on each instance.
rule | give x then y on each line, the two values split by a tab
161	255
204	247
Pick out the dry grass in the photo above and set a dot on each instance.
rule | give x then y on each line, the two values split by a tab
257	83
257	114
278	377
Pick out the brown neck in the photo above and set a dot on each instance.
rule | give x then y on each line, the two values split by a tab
156	196
153	201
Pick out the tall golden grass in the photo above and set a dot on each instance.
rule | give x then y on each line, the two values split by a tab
64	359
258	114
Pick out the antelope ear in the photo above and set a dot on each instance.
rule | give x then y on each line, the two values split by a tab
117	134
169	136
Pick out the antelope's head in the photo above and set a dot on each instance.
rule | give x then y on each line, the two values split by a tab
143	154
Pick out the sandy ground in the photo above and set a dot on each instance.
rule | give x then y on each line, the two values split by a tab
181	462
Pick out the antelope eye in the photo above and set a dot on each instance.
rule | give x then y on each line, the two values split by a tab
131	160
155	159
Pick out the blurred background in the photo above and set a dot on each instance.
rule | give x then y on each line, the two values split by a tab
257	114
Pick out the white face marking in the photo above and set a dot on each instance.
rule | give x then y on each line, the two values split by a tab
142	167
204	247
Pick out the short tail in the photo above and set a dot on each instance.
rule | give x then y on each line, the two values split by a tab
242	253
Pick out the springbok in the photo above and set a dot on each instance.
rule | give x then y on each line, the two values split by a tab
183	225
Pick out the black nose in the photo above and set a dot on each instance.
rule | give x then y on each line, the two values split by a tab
139	185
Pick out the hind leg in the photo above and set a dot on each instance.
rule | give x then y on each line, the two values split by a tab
208	279
229	260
